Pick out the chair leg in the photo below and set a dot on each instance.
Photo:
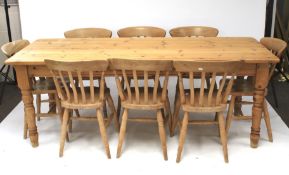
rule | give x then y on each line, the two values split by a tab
162	133
38	106
111	116
104	109
223	135
4	84
118	109
63	131
169	113
274	94
70	121
267	121
122	131
230	113
177	91
103	132
238	106
61	120
60	112
4	65
175	118
183	133
283	74
112	108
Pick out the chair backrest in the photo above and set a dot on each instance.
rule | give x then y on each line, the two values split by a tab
206	70
66	74
141	70
141	31
9	49
88	33
275	45
194	31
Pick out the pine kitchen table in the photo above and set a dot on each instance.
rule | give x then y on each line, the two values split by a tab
29	62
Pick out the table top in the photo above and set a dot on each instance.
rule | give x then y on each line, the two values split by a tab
243	49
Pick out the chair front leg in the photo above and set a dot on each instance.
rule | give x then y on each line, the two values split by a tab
230	113
103	132
63	131
182	136
70	120
122	131
223	135
162	133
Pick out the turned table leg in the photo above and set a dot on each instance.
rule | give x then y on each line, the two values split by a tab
24	83
262	73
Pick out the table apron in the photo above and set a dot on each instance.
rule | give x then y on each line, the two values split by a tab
42	71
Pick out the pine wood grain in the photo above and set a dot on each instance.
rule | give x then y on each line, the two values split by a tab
193	49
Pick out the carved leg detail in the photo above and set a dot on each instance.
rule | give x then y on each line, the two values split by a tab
30	116
262	75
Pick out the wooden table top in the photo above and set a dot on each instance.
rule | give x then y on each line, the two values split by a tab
195	49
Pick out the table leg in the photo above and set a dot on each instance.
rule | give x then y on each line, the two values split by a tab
262	73
25	84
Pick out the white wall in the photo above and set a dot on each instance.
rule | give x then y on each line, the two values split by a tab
50	18
15	30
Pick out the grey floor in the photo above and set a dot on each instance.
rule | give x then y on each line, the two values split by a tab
282	92
11	98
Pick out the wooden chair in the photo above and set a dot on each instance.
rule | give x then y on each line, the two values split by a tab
191	31
9	49
245	87
141	31
277	47
194	31
88	33
203	100
46	86
40	86
143	98
82	97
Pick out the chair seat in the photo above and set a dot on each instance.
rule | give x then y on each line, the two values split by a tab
142	105
43	86
204	107
81	104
